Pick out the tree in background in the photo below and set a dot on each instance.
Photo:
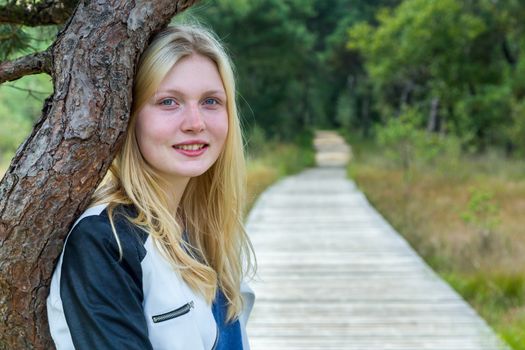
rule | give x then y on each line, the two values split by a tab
349	101
457	62
54	172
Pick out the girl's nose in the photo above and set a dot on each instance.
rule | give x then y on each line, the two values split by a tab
193	121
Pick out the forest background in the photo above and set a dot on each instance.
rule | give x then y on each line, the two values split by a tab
429	93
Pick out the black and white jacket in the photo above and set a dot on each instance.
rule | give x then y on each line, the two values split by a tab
140	302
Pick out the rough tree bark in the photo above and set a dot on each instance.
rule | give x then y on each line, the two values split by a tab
55	171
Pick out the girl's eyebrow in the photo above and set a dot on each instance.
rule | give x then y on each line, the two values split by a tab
169	91
215	92
179	93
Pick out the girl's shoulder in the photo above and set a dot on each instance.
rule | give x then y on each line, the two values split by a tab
94	229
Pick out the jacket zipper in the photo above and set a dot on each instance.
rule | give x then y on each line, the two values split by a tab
216	340
184	309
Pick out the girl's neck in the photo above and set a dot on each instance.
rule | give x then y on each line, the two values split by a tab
174	191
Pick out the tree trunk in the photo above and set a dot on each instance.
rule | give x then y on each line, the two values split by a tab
55	171
434	122
404	99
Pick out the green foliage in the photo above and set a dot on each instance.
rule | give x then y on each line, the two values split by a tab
418	40
18	40
408	145
481	210
484	115
12	39
400	137
467	55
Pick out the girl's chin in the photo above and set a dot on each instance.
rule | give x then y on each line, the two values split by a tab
185	174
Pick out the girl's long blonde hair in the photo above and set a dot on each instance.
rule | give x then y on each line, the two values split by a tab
216	251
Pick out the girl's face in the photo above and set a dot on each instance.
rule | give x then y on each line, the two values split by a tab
182	129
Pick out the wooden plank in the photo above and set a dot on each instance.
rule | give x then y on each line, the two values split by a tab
333	274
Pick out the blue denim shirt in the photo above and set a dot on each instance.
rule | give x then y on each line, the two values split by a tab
230	337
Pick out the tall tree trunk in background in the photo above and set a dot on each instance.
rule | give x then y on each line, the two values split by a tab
434	122
404	99
305	113
365	114
55	171
507	53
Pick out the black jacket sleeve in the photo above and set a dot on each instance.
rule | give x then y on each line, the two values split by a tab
102	296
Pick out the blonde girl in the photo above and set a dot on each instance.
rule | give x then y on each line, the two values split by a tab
159	259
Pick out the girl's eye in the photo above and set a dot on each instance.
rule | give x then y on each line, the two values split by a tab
169	102
211	101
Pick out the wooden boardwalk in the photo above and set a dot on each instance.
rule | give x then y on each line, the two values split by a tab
333	274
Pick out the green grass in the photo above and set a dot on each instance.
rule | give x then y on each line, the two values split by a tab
500	298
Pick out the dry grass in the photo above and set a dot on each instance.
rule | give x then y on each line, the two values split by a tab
260	176
430	213
427	209
276	161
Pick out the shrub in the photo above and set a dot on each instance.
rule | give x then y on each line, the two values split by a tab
483	214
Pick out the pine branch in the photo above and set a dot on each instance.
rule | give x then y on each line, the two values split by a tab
30	92
39	62
47	12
